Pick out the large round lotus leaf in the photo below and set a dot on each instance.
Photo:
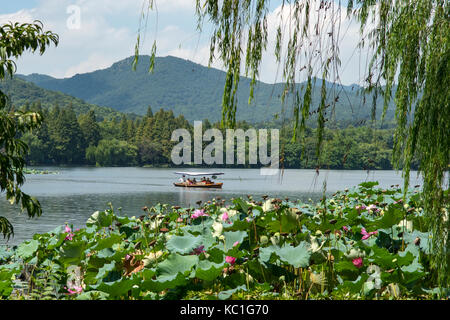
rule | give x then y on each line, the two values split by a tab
27	249
266	252
296	256
184	244
231	237
108	242
72	252
207	270
223	295
175	264
422	239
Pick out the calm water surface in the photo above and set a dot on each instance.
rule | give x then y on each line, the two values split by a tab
75	193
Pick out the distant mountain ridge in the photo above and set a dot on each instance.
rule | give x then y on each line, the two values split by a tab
190	89
22	92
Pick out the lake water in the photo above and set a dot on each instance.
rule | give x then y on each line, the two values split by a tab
75	193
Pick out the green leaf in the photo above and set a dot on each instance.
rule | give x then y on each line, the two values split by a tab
93	295
296	256
72	252
231	237
103	271
223	295
387	260
101	219
369	184
118	287
390	218
183	244
207	270
175	264
27	249
108	242
242	204
5	254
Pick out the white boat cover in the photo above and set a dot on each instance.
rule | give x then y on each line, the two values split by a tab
200	173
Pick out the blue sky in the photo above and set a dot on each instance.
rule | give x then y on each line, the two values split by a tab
107	32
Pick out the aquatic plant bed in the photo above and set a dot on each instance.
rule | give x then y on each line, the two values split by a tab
362	243
37	171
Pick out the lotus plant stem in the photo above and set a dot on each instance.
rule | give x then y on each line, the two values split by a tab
300	282
262	271
403	234
246	278
307	293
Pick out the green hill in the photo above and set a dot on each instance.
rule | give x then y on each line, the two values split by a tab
190	89
22	92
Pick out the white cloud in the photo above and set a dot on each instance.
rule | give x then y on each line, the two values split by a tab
94	62
24	16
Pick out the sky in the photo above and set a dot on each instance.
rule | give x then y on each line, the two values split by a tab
94	34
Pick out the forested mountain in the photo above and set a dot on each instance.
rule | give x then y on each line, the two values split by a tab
192	90
23	93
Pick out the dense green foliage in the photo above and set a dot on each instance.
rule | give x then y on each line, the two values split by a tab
192	90
23	93
364	243
65	139
15	39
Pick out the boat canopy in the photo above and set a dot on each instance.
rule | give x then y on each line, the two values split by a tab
200	173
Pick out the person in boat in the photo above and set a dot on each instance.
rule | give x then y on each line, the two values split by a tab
189	181
182	179
194	181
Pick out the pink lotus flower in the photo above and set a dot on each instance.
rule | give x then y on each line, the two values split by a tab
358	262
70	234
230	260
199	213
69	237
366	235
180	220
345	228
235	244
74	290
225	217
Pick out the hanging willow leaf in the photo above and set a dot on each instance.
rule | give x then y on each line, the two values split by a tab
408	42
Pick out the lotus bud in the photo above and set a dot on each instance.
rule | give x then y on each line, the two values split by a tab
275	239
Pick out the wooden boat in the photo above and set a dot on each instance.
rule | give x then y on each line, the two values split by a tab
201	184
198	185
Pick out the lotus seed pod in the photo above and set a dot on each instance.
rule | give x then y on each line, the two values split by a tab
264	239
